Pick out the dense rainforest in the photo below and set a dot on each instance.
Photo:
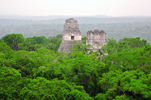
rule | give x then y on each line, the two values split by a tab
117	28
32	69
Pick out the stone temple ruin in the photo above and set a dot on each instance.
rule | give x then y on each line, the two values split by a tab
71	34
96	37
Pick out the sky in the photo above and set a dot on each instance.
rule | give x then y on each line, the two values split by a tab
114	8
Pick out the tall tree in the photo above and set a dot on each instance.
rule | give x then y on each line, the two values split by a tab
12	40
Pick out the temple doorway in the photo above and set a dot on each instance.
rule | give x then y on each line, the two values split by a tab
72	37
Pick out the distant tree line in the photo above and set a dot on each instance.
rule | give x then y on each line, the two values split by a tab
117	28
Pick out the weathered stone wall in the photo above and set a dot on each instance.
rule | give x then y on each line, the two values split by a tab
96	37
71	28
71	34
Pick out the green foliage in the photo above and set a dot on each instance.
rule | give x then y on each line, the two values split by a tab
82	70
13	40
28	44
56	41
6	50
137	59
131	83
120	70
84	40
40	88
40	39
78	47
31	44
9	83
124	45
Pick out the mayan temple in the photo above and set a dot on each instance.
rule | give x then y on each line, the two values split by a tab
71	34
96	37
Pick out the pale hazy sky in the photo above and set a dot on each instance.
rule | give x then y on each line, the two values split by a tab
76	7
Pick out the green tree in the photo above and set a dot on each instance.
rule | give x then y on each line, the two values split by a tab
40	88
13	40
129	83
6	50
137	59
84	40
10	83
126	44
82	70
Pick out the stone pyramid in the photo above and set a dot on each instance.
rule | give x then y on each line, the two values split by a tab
71	34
